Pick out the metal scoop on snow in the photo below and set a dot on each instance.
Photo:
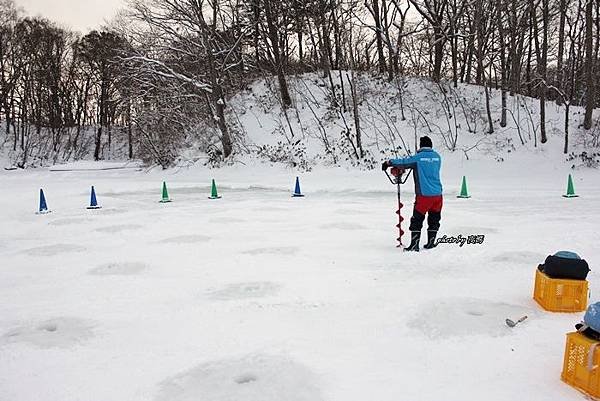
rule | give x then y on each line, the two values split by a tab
511	323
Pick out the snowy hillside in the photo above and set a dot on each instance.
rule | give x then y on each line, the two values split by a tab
315	132
319	130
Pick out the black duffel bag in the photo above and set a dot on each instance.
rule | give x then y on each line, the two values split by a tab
565	265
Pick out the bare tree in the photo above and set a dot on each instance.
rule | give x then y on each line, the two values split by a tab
589	64
275	46
434	11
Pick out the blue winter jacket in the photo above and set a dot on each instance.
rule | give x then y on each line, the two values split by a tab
426	165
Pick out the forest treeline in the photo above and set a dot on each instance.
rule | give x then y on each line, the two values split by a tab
163	69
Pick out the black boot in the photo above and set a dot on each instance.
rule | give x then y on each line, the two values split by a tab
430	240
414	241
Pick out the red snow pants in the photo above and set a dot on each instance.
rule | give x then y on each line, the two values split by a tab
430	205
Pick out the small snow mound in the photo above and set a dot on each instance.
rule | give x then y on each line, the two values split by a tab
253	378
276	250
53	250
246	290
458	317
118	269
62	332
118	228
186	239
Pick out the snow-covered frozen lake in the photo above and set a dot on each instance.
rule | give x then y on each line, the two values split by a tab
261	297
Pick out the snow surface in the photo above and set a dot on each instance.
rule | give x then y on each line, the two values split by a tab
261	296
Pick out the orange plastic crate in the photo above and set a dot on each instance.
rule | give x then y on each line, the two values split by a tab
580	367
558	295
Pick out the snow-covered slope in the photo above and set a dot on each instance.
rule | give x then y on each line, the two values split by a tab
314	131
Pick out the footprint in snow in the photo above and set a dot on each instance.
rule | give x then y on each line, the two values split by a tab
270	209
53	250
246	378
256	289
186	239
118	228
349	212
277	250
343	226
522	257
118	269
68	221
61	332
226	220
114	211
252	378
470	230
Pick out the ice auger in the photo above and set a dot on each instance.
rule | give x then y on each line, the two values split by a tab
400	176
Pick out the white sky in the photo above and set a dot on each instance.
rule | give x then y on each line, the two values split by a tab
80	15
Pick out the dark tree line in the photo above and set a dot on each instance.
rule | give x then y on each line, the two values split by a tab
166	68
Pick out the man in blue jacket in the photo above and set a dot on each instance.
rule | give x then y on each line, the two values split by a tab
428	190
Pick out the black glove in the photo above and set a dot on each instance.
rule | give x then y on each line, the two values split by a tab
385	165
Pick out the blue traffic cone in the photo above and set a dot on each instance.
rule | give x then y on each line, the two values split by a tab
93	201
43	206
297	193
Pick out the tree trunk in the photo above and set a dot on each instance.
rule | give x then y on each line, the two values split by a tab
438	38
468	57
487	106
503	64
528	68
299	33
544	71
129	130
98	143
454	43
566	146
561	46
480	73
356	114
101	118
256	30
589	66
274	38
219	106
541	52
378	36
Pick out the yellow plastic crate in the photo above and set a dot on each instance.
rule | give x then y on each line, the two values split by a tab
580	367
558	295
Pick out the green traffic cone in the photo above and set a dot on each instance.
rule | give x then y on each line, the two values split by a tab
570	189
464	193
165	194
213	191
